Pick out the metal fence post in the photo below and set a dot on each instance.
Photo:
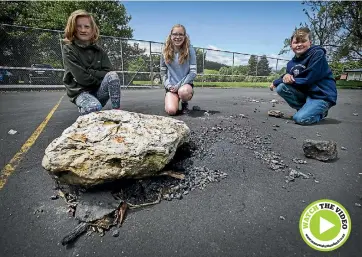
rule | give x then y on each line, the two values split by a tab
232	69
203	67
61	48
151	64
120	41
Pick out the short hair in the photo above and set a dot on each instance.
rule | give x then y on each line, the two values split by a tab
71	28
300	34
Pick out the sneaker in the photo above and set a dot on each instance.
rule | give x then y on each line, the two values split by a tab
184	107
324	115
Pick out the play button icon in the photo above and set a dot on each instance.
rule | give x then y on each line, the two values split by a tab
324	225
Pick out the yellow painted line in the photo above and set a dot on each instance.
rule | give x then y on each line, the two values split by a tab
14	162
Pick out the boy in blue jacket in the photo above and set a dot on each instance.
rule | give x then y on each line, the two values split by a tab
308	86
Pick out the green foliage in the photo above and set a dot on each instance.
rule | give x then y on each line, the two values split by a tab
338	68
349	84
252	64
23	47
263	67
336	26
200	59
207	71
110	16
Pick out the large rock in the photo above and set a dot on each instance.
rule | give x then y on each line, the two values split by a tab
320	150
109	145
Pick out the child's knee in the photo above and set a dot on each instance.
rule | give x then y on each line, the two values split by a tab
112	76
282	88
303	119
91	108
171	111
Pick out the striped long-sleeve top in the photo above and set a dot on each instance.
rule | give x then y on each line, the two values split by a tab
176	74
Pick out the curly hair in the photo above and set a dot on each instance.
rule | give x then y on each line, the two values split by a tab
71	28
169	51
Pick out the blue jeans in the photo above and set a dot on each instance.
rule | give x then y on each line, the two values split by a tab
110	87
309	110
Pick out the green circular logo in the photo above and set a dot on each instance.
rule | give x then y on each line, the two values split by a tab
325	225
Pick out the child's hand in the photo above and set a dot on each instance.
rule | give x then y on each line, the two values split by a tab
271	87
173	89
288	79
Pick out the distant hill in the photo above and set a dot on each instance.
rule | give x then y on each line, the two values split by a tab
210	65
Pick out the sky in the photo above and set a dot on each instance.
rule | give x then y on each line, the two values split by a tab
254	27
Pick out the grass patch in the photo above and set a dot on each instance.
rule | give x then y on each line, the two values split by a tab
340	84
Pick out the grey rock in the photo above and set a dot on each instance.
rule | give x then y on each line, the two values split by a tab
115	233
196	108
320	149
113	144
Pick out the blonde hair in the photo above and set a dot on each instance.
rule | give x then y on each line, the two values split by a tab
168	51
300	34
71	28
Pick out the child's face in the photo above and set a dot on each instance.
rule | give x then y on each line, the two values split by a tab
84	29
300	46
178	36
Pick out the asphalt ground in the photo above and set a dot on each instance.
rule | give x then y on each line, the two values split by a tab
239	216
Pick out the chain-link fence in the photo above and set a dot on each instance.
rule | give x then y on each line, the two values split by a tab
34	56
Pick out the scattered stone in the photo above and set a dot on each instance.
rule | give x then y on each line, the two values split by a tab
320	149
281	217
343	148
207	114
316	181
54	197
358	205
273	105
293	174
12	132
318	135
294	137
299	161
355	114
196	108
275	113
115	233
274	101
101	147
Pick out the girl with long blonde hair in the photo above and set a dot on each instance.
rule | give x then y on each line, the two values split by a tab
178	70
88	78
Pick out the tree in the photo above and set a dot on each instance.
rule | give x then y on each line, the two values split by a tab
263	67
200	60
252	65
20	47
336	26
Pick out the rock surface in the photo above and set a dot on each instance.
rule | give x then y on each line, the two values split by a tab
109	145
320	149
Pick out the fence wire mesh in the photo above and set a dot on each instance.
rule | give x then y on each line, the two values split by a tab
34	56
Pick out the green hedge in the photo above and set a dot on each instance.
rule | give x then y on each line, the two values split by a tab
239	78
349	84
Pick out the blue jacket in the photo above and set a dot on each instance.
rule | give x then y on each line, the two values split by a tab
312	75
